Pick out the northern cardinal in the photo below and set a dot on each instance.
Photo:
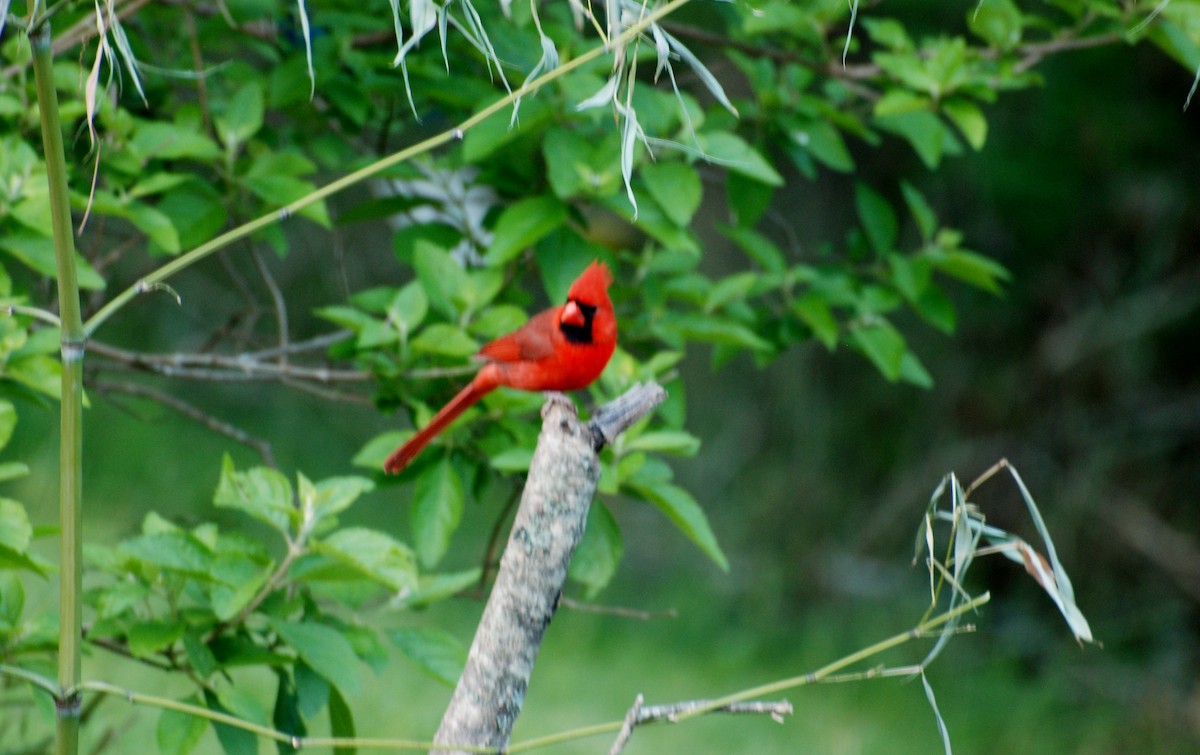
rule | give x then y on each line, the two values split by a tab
562	349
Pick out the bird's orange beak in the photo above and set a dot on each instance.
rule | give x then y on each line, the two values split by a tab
572	315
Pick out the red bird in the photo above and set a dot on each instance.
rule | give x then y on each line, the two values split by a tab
562	349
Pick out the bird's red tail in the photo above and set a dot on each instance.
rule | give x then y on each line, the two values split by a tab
483	383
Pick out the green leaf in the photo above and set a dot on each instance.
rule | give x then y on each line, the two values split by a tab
437	509
432	588
521	225
262	493
922	213
445	340
170	141
312	691
15	529
286	717
922	130
877	218
178	733
279	190
196	213
512	460
324	649
441	277
36	252
8	421
12	602
148	637
155	224
498	320
757	247
997	22
199	654
681	508
11	470
912	371
675	187
969	119
824	142
179	552
333	495
675	442
733	153
234	741
341	721
237	580
599	554
814	311
972	268
156	183
242	118
377	449
716	329
374	554
408	309
748	199
936	309
434	651
883	345
37	372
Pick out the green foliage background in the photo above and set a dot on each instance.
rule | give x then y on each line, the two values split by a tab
828	243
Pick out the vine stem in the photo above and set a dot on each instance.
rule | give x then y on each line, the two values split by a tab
825	673
67	702
155	279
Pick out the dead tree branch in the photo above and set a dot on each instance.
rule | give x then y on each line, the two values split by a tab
548	526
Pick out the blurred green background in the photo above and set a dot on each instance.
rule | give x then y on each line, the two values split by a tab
814	472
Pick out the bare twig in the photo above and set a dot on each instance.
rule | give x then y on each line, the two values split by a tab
192	412
627	728
281	315
244	367
645	714
493	544
616	416
619	611
1173	550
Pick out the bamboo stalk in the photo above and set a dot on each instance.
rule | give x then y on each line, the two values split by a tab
71	406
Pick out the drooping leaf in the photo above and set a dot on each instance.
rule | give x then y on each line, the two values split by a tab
877	218
233	740
436	510
683	510
178	733
324	649
599	553
675	187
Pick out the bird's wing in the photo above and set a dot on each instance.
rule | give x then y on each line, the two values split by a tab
531	342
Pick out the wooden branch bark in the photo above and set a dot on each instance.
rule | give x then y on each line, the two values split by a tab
548	526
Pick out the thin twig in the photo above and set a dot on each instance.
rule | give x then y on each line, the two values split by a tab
247	366
627	729
281	315
619	611
493	546
192	412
